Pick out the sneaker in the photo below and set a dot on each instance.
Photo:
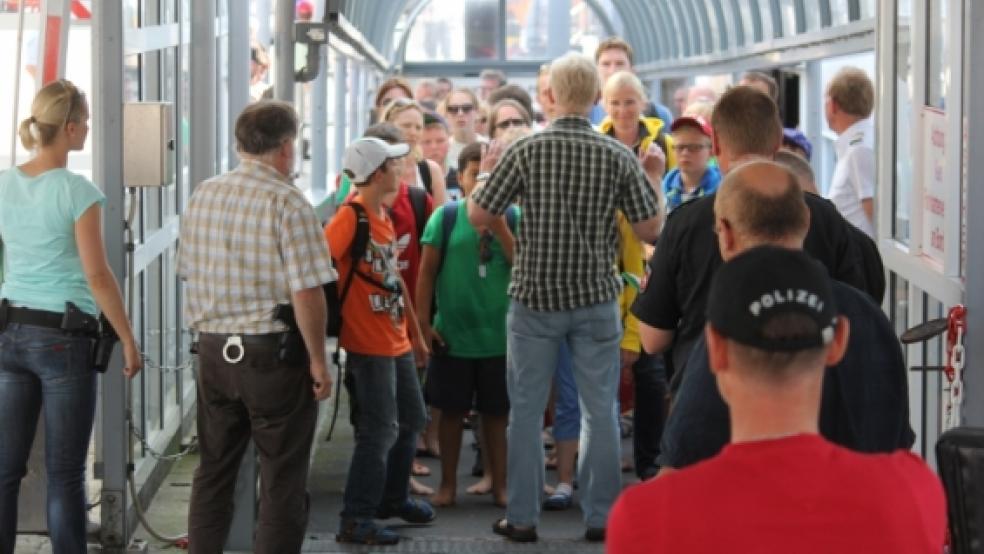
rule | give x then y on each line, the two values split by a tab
412	511
561	499
365	532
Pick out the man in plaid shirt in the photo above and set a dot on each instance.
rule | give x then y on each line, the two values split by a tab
571	180
250	242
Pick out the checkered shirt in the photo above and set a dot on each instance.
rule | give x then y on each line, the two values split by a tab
571	179
248	240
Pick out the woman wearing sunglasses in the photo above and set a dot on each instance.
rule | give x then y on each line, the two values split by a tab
461	109
508	114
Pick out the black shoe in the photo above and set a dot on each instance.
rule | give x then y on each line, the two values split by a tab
365	532
594	534
515	534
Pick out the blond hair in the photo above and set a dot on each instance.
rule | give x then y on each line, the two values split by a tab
852	91
54	106
624	79
394	108
574	81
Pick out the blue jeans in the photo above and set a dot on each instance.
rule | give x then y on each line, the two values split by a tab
593	334
46	369
567	413
389	417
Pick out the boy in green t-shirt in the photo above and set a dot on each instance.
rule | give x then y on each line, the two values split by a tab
469	270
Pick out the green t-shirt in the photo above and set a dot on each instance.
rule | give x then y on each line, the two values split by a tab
43	269
471	309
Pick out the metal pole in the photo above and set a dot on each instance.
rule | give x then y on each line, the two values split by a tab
203	99
107	171
973	110
14	124
238	68
353	104
558	29
319	117
262	22
341	89
283	83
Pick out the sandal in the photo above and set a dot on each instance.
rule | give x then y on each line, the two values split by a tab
420	470
513	533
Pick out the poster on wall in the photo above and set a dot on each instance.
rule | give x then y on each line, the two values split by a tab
933	183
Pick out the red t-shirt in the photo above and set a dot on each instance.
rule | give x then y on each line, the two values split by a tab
798	494
407	240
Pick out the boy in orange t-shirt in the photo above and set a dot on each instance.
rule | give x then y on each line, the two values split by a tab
380	361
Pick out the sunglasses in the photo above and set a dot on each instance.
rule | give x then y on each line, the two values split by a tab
692	148
463	108
507	123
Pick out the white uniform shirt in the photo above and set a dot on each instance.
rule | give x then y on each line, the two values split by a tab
854	175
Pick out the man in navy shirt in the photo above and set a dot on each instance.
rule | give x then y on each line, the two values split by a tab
864	404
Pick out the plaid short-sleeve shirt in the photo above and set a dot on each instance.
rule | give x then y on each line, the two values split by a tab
248	240
570	180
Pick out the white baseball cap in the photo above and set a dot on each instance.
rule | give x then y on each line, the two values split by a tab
367	154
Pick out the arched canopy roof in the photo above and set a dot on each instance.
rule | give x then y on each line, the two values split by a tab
660	31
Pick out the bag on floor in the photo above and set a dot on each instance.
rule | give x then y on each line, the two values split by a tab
960	458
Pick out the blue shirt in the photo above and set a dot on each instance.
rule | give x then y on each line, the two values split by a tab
43	269
673	186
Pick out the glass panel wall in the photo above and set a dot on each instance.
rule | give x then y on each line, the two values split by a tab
455	31
904	101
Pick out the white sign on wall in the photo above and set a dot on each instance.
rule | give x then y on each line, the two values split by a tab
933	183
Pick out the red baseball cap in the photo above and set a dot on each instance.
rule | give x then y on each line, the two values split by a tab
699	122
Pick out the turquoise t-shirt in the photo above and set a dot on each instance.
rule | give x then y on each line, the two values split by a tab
42	267
471	309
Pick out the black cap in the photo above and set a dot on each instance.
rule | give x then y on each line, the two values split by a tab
766	281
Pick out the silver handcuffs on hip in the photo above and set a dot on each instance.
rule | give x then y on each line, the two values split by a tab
234	341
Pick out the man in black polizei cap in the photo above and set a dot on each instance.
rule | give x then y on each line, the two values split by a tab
779	486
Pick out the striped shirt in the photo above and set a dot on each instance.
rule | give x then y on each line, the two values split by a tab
249	239
571	180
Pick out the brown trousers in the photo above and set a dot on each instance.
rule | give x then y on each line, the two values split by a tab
272	403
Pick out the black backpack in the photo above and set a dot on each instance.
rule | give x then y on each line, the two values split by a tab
357	250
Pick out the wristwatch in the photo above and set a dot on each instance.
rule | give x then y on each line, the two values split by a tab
483	176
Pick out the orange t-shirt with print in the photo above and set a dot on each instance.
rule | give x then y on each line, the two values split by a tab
373	316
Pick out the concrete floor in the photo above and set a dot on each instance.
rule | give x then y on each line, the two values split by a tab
461	529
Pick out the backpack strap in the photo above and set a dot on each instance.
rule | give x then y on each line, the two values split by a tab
358	247
448	217
418	201
512	218
425	175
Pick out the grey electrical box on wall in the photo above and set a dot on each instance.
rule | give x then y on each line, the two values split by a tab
148	144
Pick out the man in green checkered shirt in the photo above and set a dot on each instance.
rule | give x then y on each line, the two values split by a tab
571	181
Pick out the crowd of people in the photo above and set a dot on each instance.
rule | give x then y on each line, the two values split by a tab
532	271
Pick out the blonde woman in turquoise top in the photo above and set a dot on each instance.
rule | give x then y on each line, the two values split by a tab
51	230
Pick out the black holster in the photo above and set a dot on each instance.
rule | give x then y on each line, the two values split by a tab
291	347
105	342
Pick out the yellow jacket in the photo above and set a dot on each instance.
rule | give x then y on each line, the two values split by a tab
631	254
653	126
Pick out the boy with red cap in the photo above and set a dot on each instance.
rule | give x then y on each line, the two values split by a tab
693	177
